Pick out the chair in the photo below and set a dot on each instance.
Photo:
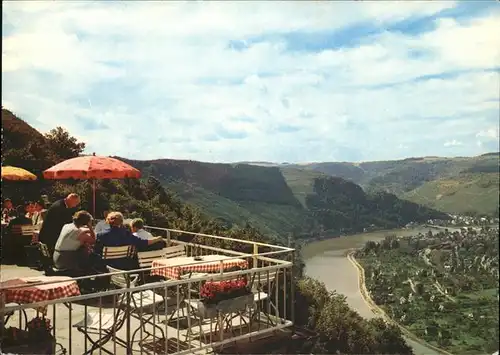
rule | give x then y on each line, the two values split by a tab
109	253
28	230
44	257
175	251
262	284
22	237
25	230
146	259
191	305
123	279
47	262
140	302
108	324
33	257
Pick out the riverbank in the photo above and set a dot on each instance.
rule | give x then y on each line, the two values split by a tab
379	311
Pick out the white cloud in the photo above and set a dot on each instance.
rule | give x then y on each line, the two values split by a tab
163	77
488	134
453	143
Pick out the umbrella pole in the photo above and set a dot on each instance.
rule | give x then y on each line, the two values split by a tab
93	198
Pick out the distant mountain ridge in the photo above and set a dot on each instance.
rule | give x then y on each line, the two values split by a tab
427	180
287	199
281	200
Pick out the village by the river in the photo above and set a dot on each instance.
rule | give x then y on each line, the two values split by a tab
327	261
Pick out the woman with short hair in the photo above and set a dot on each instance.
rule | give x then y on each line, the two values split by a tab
71	253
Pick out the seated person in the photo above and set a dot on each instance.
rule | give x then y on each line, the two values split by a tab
117	235
39	206
40	218
20	219
8	211
139	231
128	226
102	225
71	253
29	207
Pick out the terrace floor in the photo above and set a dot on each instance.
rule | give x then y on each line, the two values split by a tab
176	330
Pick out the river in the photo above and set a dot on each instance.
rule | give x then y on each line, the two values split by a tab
326	261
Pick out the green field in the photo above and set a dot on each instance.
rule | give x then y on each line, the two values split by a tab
300	182
465	194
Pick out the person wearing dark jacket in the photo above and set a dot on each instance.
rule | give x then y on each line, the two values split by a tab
117	235
60	213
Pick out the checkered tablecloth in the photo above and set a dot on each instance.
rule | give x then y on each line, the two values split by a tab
31	294
173	268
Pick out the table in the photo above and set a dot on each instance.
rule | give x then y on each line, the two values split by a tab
173	268
38	293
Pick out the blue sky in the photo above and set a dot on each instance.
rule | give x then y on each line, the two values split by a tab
258	81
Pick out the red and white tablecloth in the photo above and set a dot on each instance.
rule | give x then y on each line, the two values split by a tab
173	268
38	293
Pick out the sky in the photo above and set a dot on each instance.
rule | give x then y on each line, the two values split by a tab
297	81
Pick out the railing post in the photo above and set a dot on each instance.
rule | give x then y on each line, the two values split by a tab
292	290
127	314
2	310
255	253
168	238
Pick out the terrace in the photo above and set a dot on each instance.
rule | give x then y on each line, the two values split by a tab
167	316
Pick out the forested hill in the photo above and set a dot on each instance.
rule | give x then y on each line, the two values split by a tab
282	201
466	185
274	201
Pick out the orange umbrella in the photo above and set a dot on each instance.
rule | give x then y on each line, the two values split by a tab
92	167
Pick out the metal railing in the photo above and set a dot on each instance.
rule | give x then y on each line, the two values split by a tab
168	317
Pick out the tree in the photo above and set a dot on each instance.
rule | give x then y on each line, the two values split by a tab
370	246
310	299
419	288
339	328
63	145
389	338
343	330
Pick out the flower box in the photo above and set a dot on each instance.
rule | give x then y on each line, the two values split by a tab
231	305
214	292
227	296
37	339
45	347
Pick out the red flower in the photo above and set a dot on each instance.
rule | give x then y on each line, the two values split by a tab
212	289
